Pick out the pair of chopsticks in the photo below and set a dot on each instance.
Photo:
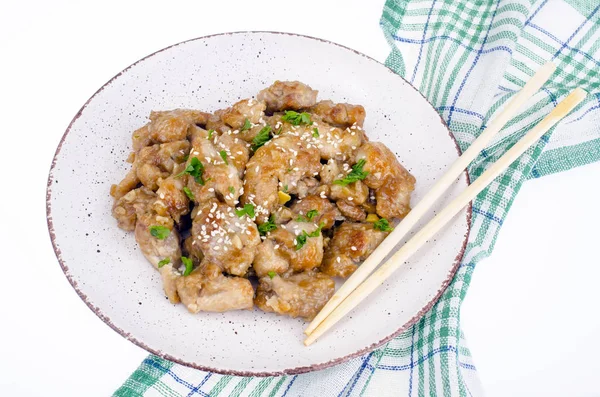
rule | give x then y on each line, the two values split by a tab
360	284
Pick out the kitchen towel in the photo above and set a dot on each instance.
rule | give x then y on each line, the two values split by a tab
468	58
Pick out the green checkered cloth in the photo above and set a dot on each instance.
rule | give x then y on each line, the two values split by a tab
468	58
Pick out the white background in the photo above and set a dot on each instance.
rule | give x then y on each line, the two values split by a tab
531	312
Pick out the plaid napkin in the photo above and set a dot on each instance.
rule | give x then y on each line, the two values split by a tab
468	58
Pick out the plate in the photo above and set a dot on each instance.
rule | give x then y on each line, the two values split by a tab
109	272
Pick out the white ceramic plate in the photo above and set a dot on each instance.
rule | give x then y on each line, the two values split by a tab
110	274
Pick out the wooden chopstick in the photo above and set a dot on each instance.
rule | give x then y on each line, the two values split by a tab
532	86
443	217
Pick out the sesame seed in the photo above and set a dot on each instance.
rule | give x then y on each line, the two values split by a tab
353	248
350	198
338	259
216	248
210	189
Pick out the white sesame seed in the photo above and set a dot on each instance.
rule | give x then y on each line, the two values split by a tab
210	189
353	248
350	198
338	259
216	248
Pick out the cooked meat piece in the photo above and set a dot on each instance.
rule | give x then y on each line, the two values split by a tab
326	211
284	95
268	259
283	161
206	289
141	138
128	183
220	177
189	250
356	193
393	184
236	149
351	211
225	239
153	248
246	109
172	125
172	201
331	171
340	114
332	142
126	209
169	278
156	162
350	245
299	295
282	215
293	243
216	124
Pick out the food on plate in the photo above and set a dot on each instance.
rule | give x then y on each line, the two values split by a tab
260	204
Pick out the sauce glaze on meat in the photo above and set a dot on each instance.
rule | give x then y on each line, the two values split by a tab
281	189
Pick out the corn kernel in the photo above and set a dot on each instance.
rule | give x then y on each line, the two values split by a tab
372	218
283	197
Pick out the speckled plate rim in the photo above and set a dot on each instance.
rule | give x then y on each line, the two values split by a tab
289	371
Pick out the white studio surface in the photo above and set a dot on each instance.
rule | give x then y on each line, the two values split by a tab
529	315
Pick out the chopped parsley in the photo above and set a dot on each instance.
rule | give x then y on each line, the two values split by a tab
315	132
210	134
311	214
264	135
302	238
382	225
247	125
267	227
194	169
247	210
285	188
188	193
163	262
357	174
231	189
271	274
160	232
295	118
189	265
223	155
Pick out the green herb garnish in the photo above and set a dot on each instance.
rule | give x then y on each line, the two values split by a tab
301	239
247	125
311	214
163	262
296	118
382	225
189	265
271	274
301	218
317	232
231	189
223	155
285	188
247	210
267	227
264	135
195	169
357	174
210	134
188	193
160	232
315	132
